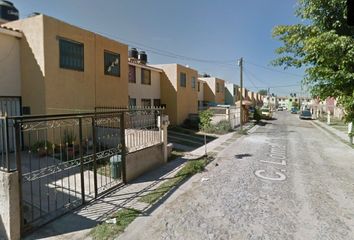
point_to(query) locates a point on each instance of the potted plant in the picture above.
(42, 148)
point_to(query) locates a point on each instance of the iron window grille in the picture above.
(157, 102)
(111, 64)
(193, 82)
(183, 79)
(145, 76)
(71, 55)
(146, 102)
(132, 102)
(132, 74)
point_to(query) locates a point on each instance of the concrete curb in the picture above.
(333, 132)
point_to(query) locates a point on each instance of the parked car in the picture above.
(280, 109)
(306, 114)
(266, 113)
(294, 110)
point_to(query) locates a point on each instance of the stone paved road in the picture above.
(286, 180)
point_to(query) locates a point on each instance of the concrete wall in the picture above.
(9, 206)
(142, 161)
(10, 66)
(142, 91)
(47, 88)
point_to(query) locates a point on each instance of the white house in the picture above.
(144, 85)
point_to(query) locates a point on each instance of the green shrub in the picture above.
(257, 116)
(221, 127)
(205, 120)
(40, 148)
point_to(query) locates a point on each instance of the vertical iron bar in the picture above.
(81, 162)
(19, 170)
(122, 139)
(94, 143)
(7, 147)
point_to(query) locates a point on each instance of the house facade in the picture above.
(214, 90)
(179, 93)
(10, 71)
(144, 86)
(232, 94)
(68, 69)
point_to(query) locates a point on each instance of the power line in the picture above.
(169, 53)
(254, 77)
(274, 70)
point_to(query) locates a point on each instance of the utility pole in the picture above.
(240, 64)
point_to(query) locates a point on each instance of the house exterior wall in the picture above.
(231, 93)
(10, 67)
(140, 91)
(210, 90)
(201, 90)
(48, 89)
(187, 97)
(179, 101)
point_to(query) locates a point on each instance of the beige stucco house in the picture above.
(179, 93)
(214, 90)
(68, 69)
(10, 71)
(144, 85)
(232, 94)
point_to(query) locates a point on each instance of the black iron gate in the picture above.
(67, 160)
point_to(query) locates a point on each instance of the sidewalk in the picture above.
(341, 135)
(77, 224)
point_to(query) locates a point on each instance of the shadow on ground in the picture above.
(95, 212)
(243, 155)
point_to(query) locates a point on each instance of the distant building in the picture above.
(179, 93)
(214, 90)
(270, 101)
(232, 94)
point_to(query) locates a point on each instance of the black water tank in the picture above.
(133, 53)
(8, 12)
(143, 57)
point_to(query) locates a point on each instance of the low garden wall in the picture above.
(144, 160)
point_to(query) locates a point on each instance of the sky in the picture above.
(207, 35)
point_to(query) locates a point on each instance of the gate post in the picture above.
(122, 141)
(81, 162)
(10, 197)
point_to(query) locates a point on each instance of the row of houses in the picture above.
(49, 67)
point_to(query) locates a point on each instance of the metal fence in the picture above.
(68, 159)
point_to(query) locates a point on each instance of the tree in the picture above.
(263, 92)
(323, 44)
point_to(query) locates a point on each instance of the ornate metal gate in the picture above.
(67, 160)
